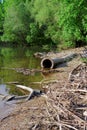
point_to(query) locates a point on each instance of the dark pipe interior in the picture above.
(47, 63)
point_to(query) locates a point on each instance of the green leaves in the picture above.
(39, 21)
(1, 20)
(71, 16)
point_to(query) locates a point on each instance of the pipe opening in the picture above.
(47, 63)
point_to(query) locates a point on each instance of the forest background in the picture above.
(47, 23)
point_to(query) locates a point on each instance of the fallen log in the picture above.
(25, 88)
(33, 92)
(53, 62)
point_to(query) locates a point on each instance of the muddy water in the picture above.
(16, 58)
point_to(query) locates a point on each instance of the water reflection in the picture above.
(17, 58)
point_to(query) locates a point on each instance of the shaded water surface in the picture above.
(11, 58)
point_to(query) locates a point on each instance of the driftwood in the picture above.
(33, 92)
(14, 97)
(66, 103)
(65, 106)
(26, 71)
(53, 62)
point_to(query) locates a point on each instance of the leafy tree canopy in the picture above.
(60, 22)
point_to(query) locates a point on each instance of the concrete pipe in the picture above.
(52, 63)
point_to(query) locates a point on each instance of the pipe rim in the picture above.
(42, 61)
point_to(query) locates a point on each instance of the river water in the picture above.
(11, 58)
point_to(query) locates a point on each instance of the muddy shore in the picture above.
(24, 114)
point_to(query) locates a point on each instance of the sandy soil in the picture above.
(27, 112)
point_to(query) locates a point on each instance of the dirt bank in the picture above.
(25, 114)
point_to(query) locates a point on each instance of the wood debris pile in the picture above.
(66, 105)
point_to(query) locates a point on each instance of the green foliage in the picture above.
(32, 35)
(73, 19)
(15, 20)
(48, 47)
(44, 13)
(84, 60)
(58, 22)
(66, 45)
(1, 19)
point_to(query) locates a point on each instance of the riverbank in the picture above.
(29, 114)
